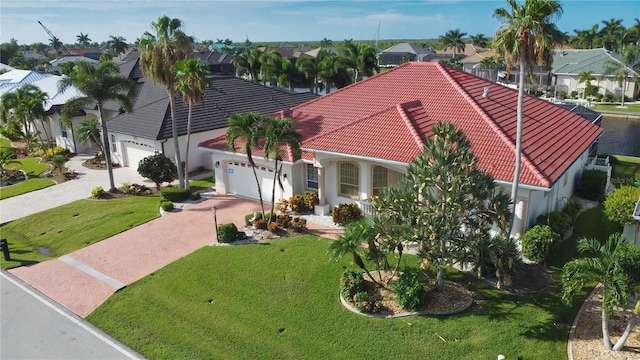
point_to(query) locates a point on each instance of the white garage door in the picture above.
(241, 180)
(135, 153)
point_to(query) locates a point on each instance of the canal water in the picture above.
(621, 136)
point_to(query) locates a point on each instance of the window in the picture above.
(63, 130)
(380, 179)
(114, 147)
(349, 180)
(566, 179)
(312, 177)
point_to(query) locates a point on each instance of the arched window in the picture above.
(349, 180)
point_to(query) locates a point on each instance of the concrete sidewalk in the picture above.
(69, 191)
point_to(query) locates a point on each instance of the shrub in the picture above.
(175, 194)
(537, 242)
(559, 222)
(311, 200)
(607, 98)
(68, 174)
(126, 187)
(574, 94)
(598, 97)
(195, 196)
(346, 213)
(284, 221)
(253, 216)
(272, 227)
(572, 208)
(506, 258)
(158, 168)
(166, 205)
(271, 217)
(97, 192)
(57, 150)
(296, 203)
(366, 303)
(58, 161)
(227, 232)
(409, 290)
(592, 184)
(619, 205)
(298, 224)
(260, 224)
(350, 283)
(282, 205)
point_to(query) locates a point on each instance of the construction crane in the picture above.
(51, 36)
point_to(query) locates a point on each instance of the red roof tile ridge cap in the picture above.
(493, 126)
(350, 123)
(409, 124)
(339, 91)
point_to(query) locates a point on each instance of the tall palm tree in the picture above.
(586, 39)
(326, 43)
(479, 40)
(622, 70)
(191, 81)
(281, 137)
(25, 104)
(607, 265)
(521, 40)
(311, 68)
(250, 129)
(272, 67)
(333, 71)
(158, 53)
(118, 44)
(361, 58)
(350, 242)
(585, 77)
(453, 40)
(98, 85)
(249, 61)
(83, 40)
(611, 33)
(56, 44)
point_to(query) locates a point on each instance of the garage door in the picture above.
(241, 180)
(135, 153)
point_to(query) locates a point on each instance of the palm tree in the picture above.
(586, 39)
(98, 85)
(622, 70)
(333, 70)
(118, 44)
(89, 130)
(361, 58)
(326, 43)
(453, 40)
(83, 40)
(272, 67)
(25, 104)
(250, 129)
(585, 77)
(56, 44)
(611, 33)
(479, 40)
(607, 265)
(280, 133)
(350, 242)
(158, 53)
(250, 61)
(521, 39)
(191, 81)
(311, 67)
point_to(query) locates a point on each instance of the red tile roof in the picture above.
(387, 116)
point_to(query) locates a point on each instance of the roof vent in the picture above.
(486, 92)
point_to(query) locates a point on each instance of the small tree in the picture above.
(619, 205)
(158, 168)
(537, 242)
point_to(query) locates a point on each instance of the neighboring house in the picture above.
(48, 83)
(568, 64)
(469, 49)
(631, 232)
(33, 56)
(147, 130)
(402, 53)
(360, 139)
(55, 64)
(313, 53)
(87, 52)
(217, 63)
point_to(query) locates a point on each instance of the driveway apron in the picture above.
(84, 279)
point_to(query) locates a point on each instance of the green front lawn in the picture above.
(202, 184)
(33, 168)
(624, 169)
(628, 107)
(279, 300)
(73, 226)
(5, 143)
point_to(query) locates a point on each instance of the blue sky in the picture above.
(270, 20)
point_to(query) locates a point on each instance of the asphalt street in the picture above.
(34, 327)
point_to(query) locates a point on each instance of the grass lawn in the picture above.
(33, 168)
(279, 300)
(202, 184)
(5, 143)
(624, 169)
(73, 226)
(615, 107)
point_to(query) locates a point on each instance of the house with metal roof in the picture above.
(569, 63)
(360, 139)
(402, 53)
(147, 130)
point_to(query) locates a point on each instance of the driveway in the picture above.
(69, 191)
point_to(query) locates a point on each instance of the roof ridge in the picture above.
(496, 129)
(412, 129)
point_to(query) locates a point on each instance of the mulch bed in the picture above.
(533, 278)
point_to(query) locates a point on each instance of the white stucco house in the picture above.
(361, 138)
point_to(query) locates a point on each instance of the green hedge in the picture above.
(227, 233)
(175, 194)
(593, 184)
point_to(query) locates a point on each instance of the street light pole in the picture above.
(215, 220)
